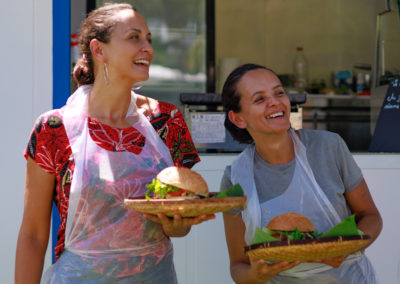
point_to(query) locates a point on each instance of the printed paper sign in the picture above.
(208, 127)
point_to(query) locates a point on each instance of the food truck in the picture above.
(352, 61)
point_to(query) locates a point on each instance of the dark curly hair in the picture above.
(99, 25)
(231, 100)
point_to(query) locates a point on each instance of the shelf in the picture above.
(337, 97)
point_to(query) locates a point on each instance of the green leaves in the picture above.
(235, 190)
(347, 227)
(263, 235)
(266, 235)
(295, 235)
(315, 234)
(159, 189)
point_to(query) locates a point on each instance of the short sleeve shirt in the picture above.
(331, 162)
(49, 147)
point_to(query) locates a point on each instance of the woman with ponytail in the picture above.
(103, 146)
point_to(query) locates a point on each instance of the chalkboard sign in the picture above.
(387, 131)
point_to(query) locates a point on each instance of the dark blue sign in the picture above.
(387, 131)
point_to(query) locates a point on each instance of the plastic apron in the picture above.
(304, 196)
(104, 241)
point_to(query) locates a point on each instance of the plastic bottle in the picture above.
(300, 70)
(360, 83)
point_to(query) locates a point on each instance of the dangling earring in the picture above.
(105, 73)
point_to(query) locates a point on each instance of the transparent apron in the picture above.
(304, 196)
(104, 241)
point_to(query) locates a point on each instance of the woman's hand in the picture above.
(261, 271)
(245, 269)
(177, 226)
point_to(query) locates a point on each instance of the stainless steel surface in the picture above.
(347, 115)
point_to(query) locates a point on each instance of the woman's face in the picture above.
(129, 52)
(265, 107)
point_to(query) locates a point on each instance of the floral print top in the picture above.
(49, 147)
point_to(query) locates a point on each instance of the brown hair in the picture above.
(99, 25)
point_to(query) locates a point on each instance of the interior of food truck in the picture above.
(348, 48)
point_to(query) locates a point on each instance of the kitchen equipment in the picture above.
(205, 118)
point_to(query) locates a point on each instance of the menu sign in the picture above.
(207, 127)
(387, 131)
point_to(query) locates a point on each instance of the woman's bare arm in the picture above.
(34, 231)
(362, 205)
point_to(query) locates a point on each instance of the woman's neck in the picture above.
(276, 148)
(109, 104)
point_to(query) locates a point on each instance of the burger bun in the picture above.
(184, 178)
(289, 221)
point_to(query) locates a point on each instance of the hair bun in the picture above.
(81, 73)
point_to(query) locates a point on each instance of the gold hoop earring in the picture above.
(105, 73)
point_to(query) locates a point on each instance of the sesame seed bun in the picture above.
(289, 221)
(184, 178)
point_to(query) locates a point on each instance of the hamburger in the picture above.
(177, 183)
(292, 236)
(287, 226)
(292, 226)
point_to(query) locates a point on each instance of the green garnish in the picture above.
(347, 227)
(263, 235)
(234, 190)
(315, 234)
(295, 234)
(159, 189)
(266, 235)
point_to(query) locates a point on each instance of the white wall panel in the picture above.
(202, 256)
(25, 89)
(382, 173)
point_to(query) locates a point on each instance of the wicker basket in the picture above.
(186, 207)
(308, 249)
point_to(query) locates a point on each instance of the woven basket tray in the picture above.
(307, 249)
(186, 207)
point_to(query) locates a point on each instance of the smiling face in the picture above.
(129, 53)
(265, 107)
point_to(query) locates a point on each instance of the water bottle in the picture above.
(300, 70)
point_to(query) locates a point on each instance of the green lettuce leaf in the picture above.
(263, 235)
(295, 234)
(234, 190)
(347, 227)
(266, 235)
(315, 234)
(159, 189)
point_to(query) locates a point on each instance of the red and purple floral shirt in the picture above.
(49, 147)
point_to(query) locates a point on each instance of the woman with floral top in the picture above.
(103, 146)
